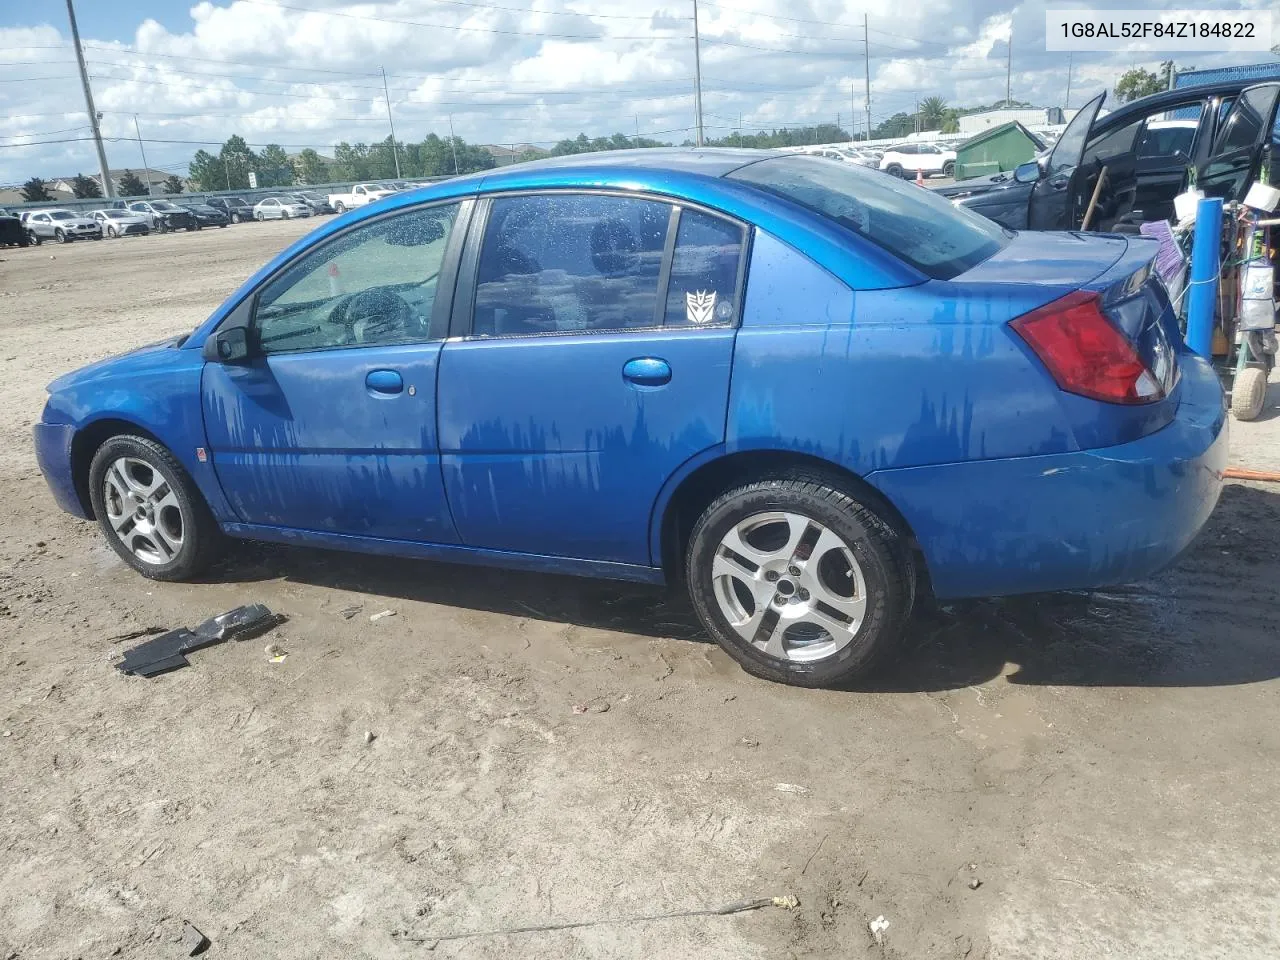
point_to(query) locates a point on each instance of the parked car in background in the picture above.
(62, 226)
(12, 232)
(1146, 145)
(237, 209)
(906, 159)
(317, 203)
(206, 215)
(360, 194)
(122, 223)
(280, 208)
(554, 368)
(164, 215)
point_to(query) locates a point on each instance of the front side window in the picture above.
(570, 263)
(918, 227)
(375, 285)
(704, 271)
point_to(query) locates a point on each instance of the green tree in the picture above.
(36, 191)
(237, 161)
(274, 167)
(1136, 83)
(173, 184)
(85, 188)
(130, 186)
(207, 172)
(350, 163)
(310, 167)
(933, 113)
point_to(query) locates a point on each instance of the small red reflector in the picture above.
(1085, 353)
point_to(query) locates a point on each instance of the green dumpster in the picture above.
(997, 150)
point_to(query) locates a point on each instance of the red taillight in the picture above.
(1085, 353)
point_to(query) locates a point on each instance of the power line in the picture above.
(449, 26)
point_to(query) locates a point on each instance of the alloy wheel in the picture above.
(789, 586)
(143, 510)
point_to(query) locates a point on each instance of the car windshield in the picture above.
(915, 225)
(61, 215)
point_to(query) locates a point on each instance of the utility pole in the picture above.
(453, 145)
(1008, 73)
(108, 188)
(697, 75)
(146, 170)
(853, 117)
(1067, 106)
(391, 123)
(866, 60)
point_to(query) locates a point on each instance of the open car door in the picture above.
(1050, 206)
(1248, 137)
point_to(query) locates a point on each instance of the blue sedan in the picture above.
(804, 389)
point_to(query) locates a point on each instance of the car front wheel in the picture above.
(59, 235)
(949, 169)
(150, 510)
(34, 237)
(799, 582)
(894, 170)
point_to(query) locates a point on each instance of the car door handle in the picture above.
(647, 371)
(387, 382)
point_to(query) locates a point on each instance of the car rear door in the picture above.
(331, 425)
(1244, 139)
(592, 362)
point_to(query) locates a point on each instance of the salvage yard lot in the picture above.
(1057, 777)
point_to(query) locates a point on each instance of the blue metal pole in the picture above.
(1206, 243)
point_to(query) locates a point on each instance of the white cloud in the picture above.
(312, 78)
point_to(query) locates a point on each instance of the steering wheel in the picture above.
(377, 315)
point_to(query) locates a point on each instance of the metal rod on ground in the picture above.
(108, 188)
(697, 75)
(453, 145)
(1093, 200)
(866, 65)
(1206, 247)
(391, 123)
(1240, 473)
(145, 169)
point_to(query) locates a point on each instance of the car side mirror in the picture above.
(1028, 172)
(229, 346)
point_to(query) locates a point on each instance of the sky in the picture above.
(307, 72)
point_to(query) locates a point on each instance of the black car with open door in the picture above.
(1248, 148)
(1146, 147)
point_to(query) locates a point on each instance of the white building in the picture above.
(975, 123)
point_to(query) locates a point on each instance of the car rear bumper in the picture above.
(1075, 520)
(53, 454)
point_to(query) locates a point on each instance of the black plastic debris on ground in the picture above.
(168, 651)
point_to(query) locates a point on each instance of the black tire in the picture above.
(894, 170)
(284, 214)
(34, 237)
(200, 534)
(24, 240)
(339, 208)
(879, 550)
(221, 225)
(59, 235)
(949, 169)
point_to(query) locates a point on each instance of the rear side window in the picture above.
(1246, 120)
(570, 263)
(704, 271)
(920, 228)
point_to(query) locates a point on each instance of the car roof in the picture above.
(1170, 98)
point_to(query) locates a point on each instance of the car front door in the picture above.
(1050, 204)
(593, 362)
(331, 424)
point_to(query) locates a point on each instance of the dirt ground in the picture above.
(1051, 777)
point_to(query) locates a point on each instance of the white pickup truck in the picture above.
(360, 194)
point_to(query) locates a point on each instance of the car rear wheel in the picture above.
(1249, 393)
(150, 510)
(894, 170)
(799, 582)
(339, 208)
